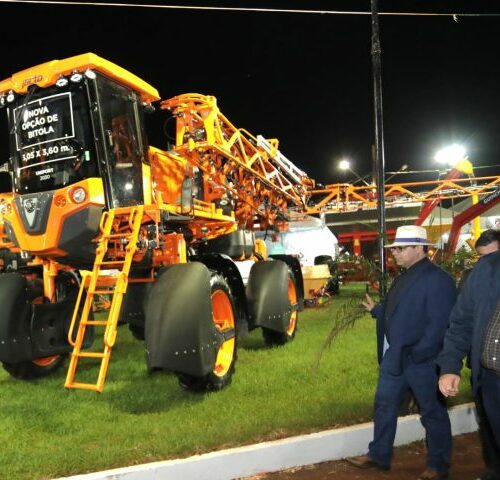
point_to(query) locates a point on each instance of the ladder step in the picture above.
(90, 354)
(84, 386)
(108, 277)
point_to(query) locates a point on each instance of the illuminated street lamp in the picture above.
(455, 157)
(451, 155)
(345, 165)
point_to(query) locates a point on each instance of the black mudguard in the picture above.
(50, 324)
(132, 311)
(224, 265)
(267, 296)
(294, 265)
(29, 331)
(180, 333)
(15, 319)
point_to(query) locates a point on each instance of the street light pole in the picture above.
(379, 143)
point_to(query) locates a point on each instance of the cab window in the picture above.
(123, 143)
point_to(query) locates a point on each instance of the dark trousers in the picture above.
(488, 412)
(423, 381)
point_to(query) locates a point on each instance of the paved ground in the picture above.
(408, 464)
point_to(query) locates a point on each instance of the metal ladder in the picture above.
(122, 225)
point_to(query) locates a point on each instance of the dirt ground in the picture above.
(408, 464)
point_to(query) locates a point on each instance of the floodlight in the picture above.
(344, 165)
(450, 155)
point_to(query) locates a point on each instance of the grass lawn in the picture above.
(47, 431)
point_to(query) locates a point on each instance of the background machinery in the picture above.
(90, 209)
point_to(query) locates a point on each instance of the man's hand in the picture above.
(369, 304)
(448, 384)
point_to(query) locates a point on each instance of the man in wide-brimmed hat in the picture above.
(411, 324)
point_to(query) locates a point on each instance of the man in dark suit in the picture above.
(488, 242)
(411, 324)
(475, 331)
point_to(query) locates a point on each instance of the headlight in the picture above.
(62, 81)
(78, 195)
(76, 77)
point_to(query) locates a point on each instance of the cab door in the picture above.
(123, 142)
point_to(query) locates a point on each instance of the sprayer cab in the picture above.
(77, 146)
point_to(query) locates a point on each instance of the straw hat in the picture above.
(409, 235)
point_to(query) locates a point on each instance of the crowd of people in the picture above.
(426, 327)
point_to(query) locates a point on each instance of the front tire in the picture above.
(67, 285)
(223, 316)
(36, 368)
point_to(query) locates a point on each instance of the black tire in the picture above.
(332, 287)
(223, 311)
(37, 368)
(272, 337)
(137, 332)
(67, 286)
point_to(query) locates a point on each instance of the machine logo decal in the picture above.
(30, 208)
(31, 80)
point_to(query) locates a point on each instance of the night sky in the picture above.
(305, 79)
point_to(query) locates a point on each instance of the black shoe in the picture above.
(364, 461)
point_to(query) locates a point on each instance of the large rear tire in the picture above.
(37, 368)
(272, 337)
(137, 332)
(223, 316)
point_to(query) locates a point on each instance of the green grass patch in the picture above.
(49, 432)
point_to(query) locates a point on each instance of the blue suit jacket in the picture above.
(470, 316)
(419, 319)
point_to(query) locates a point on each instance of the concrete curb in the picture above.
(280, 454)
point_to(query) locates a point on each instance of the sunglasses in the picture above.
(399, 249)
